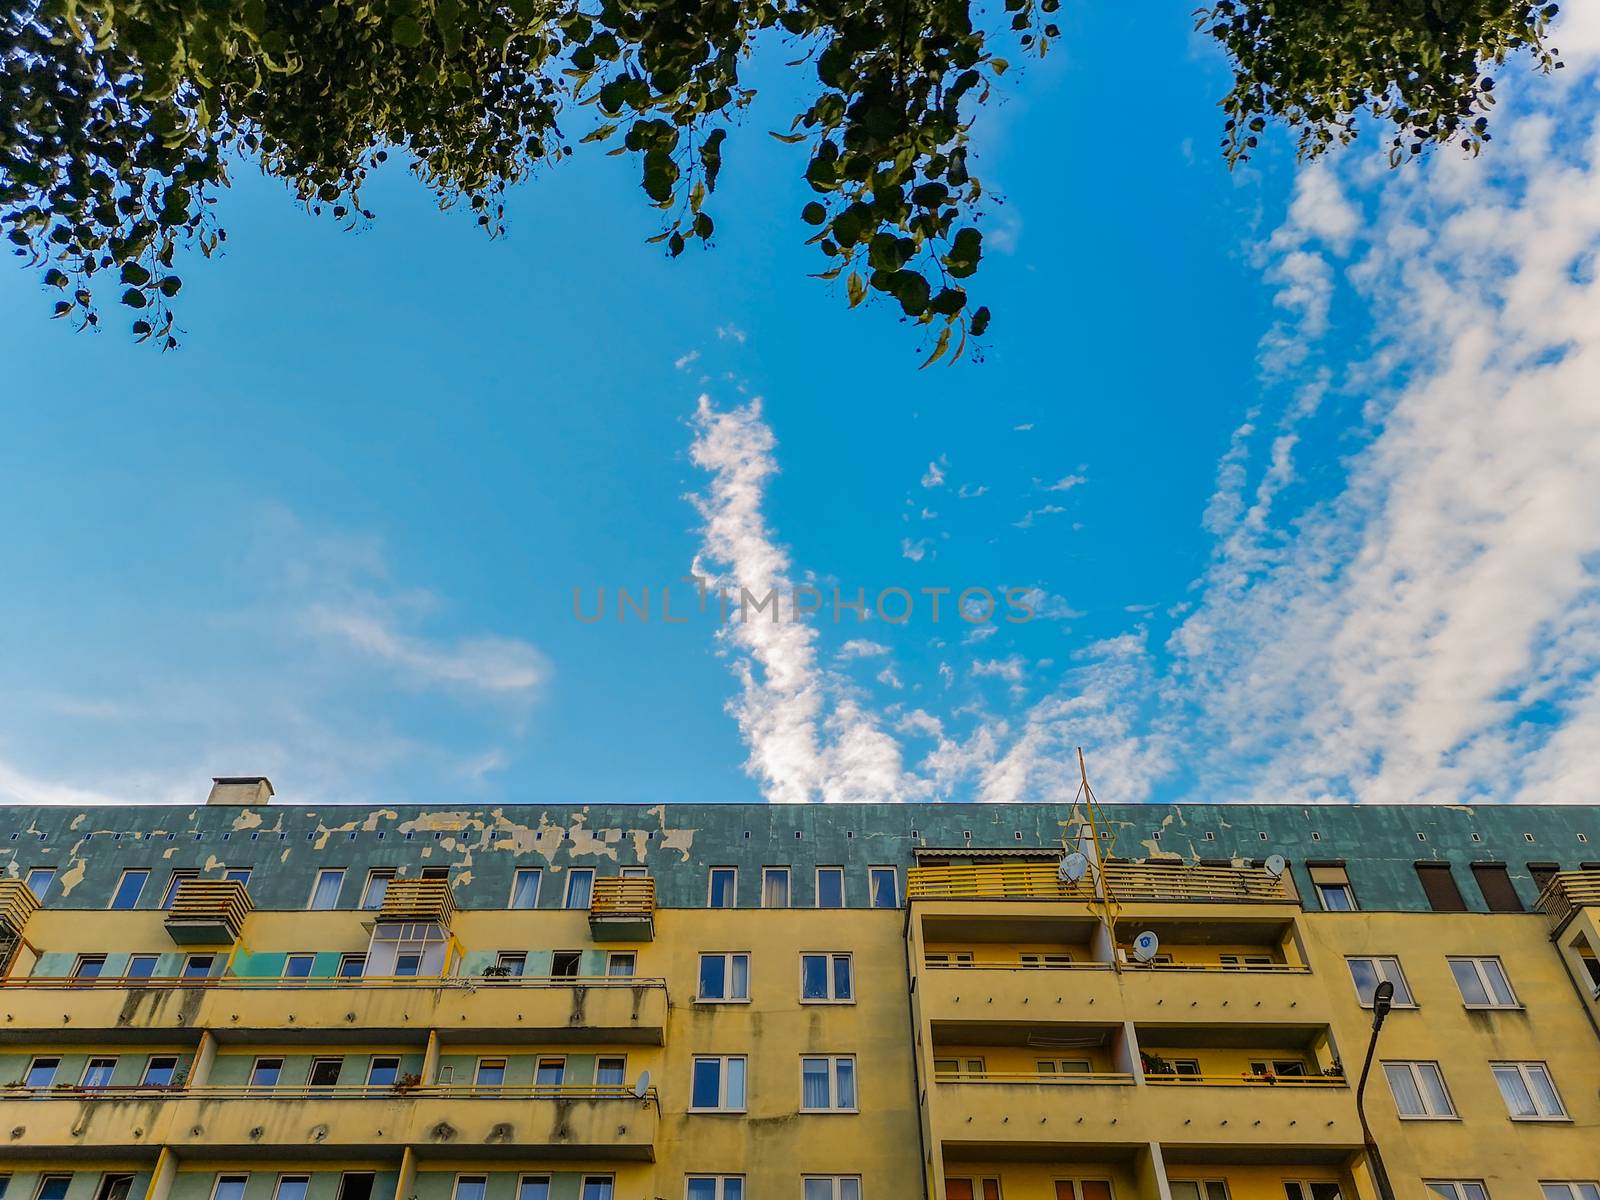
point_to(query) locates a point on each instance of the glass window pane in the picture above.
(596, 1188)
(1556, 1191)
(1515, 1092)
(850, 1189)
(846, 1074)
(1365, 976)
(1433, 1089)
(610, 1072)
(775, 889)
(1467, 980)
(735, 1090)
(841, 977)
(1407, 1099)
(579, 885)
(293, 1187)
(525, 889)
(883, 889)
(733, 1189)
(814, 1083)
(813, 977)
(1544, 1091)
(740, 981)
(1447, 1190)
(819, 1189)
(1499, 985)
(534, 1189)
(1475, 1191)
(722, 888)
(712, 968)
(830, 888)
(471, 1188)
(702, 1189)
(1389, 968)
(707, 1083)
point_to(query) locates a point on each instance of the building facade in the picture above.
(240, 1000)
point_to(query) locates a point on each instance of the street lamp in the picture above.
(1382, 1002)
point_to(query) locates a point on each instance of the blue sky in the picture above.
(1276, 555)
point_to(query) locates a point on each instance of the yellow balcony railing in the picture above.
(1065, 1078)
(1311, 1081)
(209, 911)
(1566, 893)
(17, 904)
(1123, 882)
(419, 900)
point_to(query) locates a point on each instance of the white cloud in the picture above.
(915, 551)
(732, 332)
(1065, 484)
(889, 678)
(967, 492)
(684, 361)
(480, 664)
(934, 476)
(1028, 518)
(1010, 668)
(1023, 428)
(862, 648)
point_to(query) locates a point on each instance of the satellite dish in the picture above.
(1275, 865)
(642, 1088)
(1145, 946)
(1072, 867)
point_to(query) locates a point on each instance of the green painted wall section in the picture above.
(233, 1070)
(263, 1184)
(503, 1185)
(285, 846)
(23, 1185)
(128, 1072)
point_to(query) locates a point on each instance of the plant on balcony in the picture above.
(497, 971)
(1154, 1064)
(1334, 1070)
(1263, 1076)
(406, 1083)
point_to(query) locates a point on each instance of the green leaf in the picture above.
(407, 32)
(857, 288)
(939, 348)
(170, 286)
(133, 273)
(813, 213)
(133, 298)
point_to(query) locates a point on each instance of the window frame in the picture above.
(538, 882)
(830, 970)
(835, 1190)
(833, 1061)
(494, 1062)
(613, 957)
(455, 1183)
(33, 1064)
(349, 957)
(1525, 1069)
(817, 884)
(277, 1184)
(374, 874)
(1572, 1189)
(150, 1065)
(47, 1176)
(89, 1065)
(86, 960)
(872, 886)
(733, 886)
(719, 1185)
(256, 1066)
(722, 1061)
(727, 957)
(788, 886)
(610, 1182)
(40, 894)
(372, 1066)
(309, 957)
(1342, 889)
(316, 889)
(153, 959)
(574, 873)
(223, 1176)
(190, 959)
(523, 1180)
(116, 893)
(1415, 1065)
(1399, 979)
(1458, 1187)
(1477, 961)
(175, 880)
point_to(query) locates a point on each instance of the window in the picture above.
(597, 1187)
(633, 873)
(113, 1187)
(229, 1187)
(351, 966)
(1529, 1092)
(1336, 897)
(619, 964)
(534, 1187)
(830, 887)
(1294, 1189)
(722, 887)
(292, 1187)
(826, 977)
(610, 1072)
(525, 887)
(1283, 1068)
(564, 964)
(972, 1189)
(718, 1085)
(830, 1187)
(828, 1084)
(884, 885)
(1198, 1189)
(198, 966)
(298, 966)
(1494, 881)
(175, 881)
(97, 1073)
(142, 966)
(377, 887)
(1063, 1066)
(1483, 983)
(714, 1187)
(580, 883)
(1369, 972)
(1100, 1189)
(491, 1073)
(1419, 1091)
(1573, 1190)
(1246, 962)
(39, 880)
(407, 964)
(89, 966)
(1439, 885)
(1458, 1189)
(129, 888)
(949, 958)
(356, 1185)
(383, 1072)
(41, 1072)
(160, 1072)
(551, 1072)
(325, 893)
(435, 873)
(239, 875)
(1046, 960)
(1542, 874)
(324, 1072)
(511, 964)
(774, 887)
(724, 977)
(956, 1066)
(53, 1187)
(471, 1187)
(266, 1072)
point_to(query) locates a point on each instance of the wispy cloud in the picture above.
(934, 476)
(1065, 484)
(477, 664)
(862, 648)
(916, 551)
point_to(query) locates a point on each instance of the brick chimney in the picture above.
(240, 789)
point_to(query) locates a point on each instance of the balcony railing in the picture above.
(1566, 893)
(409, 900)
(622, 908)
(1123, 882)
(208, 912)
(319, 982)
(17, 904)
(1065, 1078)
(1012, 965)
(390, 1093)
(1248, 1080)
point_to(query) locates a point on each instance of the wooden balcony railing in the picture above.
(208, 911)
(623, 909)
(419, 900)
(17, 904)
(1566, 893)
(1123, 882)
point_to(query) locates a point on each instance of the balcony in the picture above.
(623, 909)
(418, 901)
(208, 912)
(267, 1009)
(1566, 893)
(1124, 883)
(544, 1122)
(17, 904)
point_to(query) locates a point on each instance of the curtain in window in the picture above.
(845, 1072)
(813, 977)
(525, 889)
(579, 885)
(841, 977)
(775, 889)
(814, 1083)
(739, 978)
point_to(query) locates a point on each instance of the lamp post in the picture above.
(1382, 1002)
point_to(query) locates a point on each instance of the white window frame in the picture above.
(88, 1065)
(817, 882)
(524, 1180)
(316, 888)
(566, 891)
(1382, 971)
(289, 958)
(190, 959)
(836, 1186)
(1526, 1069)
(872, 886)
(831, 974)
(727, 976)
(833, 1061)
(144, 882)
(1344, 888)
(1476, 962)
(494, 1060)
(277, 1186)
(388, 875)
(239, 875)
(455, 1184)
(150, 1065)
(788, 886)
(538, 882)
(613, 957)
(609, 1180)
(711, 887)
(50, 880)
(35, 1061)
(178, 877)
(1415, 1066)
(155, 962)
(372, 1066)
(1202, 1187)
(723, 1062)
(223, 1176)
(47, 1177)
(352, 956)
(719, 1184)
(83, 960)
(255, 1066)
(1459, 1188)
(1570, 1189)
